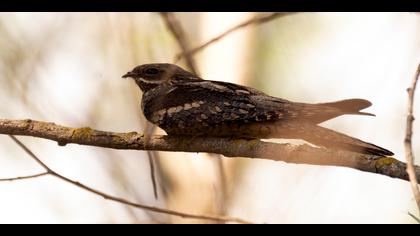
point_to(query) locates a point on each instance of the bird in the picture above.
(182, 103)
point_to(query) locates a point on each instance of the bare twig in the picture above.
(414, 217)
(24, 177)
(221, 191)
(256, 20)
(301, 154)
(175, 27)
(150, 157)
(121, 200)
(407, 141)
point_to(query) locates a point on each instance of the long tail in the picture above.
(321, 136)
(321, 112)
(351, 106)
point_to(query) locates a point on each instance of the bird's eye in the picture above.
(151, 71)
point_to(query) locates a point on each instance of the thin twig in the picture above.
(24, 177)
(414, 217)
(221, 191)
(150, 157)
(255, 20)
(175, 27)
(149, 129)
(407, 141)
(298, 154)
(121, 200)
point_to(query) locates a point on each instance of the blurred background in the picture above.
(66, 68)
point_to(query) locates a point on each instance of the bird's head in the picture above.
(149, 76)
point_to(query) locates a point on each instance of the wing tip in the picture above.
(365, 113)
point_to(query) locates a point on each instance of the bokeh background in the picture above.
(66, 68)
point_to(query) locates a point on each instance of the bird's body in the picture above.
(183, 104)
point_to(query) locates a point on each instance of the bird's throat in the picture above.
(146, 86)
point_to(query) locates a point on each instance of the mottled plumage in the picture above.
(183, 104)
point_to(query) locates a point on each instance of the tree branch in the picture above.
(24, 177)
(175, 27)
(255, 20)
(51, 172)
(301, 154)
(407, 141)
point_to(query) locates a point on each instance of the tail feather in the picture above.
(351, 106)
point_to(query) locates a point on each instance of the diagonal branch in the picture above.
(302, 154)
(49, 171)
(407, 141)
(175, 27)
(256, 20)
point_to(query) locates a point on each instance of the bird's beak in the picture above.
(128, 75)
